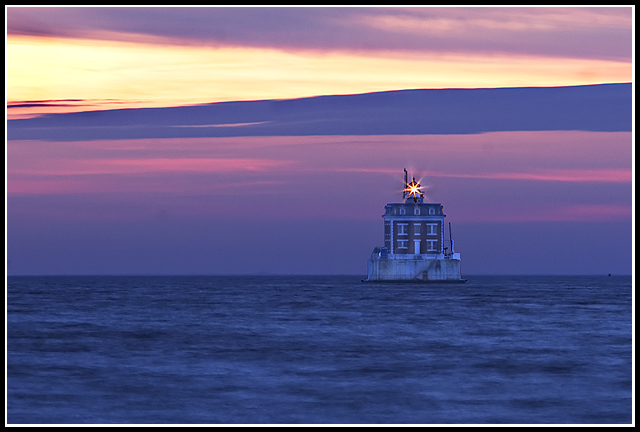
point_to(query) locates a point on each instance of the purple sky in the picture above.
(574, 32)
(535, 181)
(520, 202)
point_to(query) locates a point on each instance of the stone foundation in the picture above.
(432, 269)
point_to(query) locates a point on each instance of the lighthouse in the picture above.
(414, 244)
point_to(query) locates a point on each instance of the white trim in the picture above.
(424, 256)
(410, 218)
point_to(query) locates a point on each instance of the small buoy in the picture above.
(609, 274)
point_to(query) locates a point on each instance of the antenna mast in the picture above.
(406, 184)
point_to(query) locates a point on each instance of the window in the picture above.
(387, 235)
(402, 229)
(416, 229)
(402, 244)
(403, 211)
(416, 211)
(431, 245)
(432, 211)
(432, 228)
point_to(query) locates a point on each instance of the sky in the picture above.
(247, 140)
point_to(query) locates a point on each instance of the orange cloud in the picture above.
(160, 75)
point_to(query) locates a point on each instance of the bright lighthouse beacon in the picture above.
(414, 245)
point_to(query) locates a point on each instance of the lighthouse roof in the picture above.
(410, 208)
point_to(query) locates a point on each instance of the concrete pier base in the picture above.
(417, 268)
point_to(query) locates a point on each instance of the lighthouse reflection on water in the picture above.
(414, 245)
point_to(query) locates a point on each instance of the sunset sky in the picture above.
(229, 187)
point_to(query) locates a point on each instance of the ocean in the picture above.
(318, 350)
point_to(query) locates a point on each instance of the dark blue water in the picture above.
(318, 350)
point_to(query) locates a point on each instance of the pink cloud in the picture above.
(561, 175)
(502, 176)
(593, 212)
(132, 175)
(152, 165)
(128, 186)
(568, 213)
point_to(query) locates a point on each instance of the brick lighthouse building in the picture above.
(414, 245)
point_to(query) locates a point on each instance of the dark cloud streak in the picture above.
(604, 107)
(33, 105)
(61, 103)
